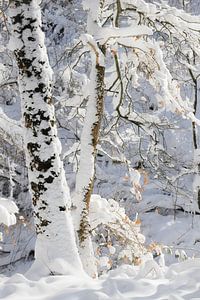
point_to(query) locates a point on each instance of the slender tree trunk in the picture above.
(50, 193)
(86, 172)
(196, 184)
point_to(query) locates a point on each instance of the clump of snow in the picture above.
(8, 209)
(126, 243)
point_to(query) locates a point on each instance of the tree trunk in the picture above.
(196, 183)
(86, 172)
(50, 193)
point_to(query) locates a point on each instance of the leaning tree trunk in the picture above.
(50, 193)
(86, 172)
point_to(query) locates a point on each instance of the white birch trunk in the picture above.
(50, 193)
(196, 149)
(86, 172)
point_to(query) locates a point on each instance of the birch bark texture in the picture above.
(50, 192)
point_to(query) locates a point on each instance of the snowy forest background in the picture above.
(146, 197)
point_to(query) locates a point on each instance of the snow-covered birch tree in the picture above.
(89, 141)
(50, 193)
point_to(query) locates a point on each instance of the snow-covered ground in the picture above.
(179, 281)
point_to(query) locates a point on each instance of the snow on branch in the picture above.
(107, 33)
(87, 39)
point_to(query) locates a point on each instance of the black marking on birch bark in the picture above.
(37, 72)
(46, 131)
(45, 222)
(53, 123)
(37, 190)
(41, 88)
(20, 2)
(37, 214)
(20, 53)
(33, 147)
(43, 206)
(30, 38)
(49, 179)
(54, 174)
(44, 202)
(27, 62)
(28, 121)
(38, 187)
(30, 108)
(62, 208)
(41, 62)
(17, 19)
(34, 120)
(49, 141)
(27, 92)
(42, 223)
(41, 165)
(29, 25)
